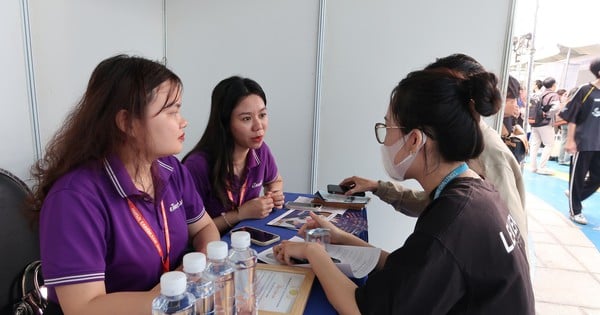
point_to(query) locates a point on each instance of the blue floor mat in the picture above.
(551, 189)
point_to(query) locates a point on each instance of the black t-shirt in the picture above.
(465, 256)
(586, 114)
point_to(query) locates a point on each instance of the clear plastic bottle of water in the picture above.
(197, 284)
(220, 272)
(244, 259)
(173, 298)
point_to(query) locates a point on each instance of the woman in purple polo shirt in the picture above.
(231, 163)
(117, 209)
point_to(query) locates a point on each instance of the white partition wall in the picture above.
(70, 37)
(15, 128)
(270, 41)
(368, 46)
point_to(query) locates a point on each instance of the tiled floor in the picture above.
(566, 277)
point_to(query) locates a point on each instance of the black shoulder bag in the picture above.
(32, 302)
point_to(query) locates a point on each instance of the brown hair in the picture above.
(90, 132)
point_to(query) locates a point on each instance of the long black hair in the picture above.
(217, 141)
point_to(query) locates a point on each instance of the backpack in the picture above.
(538, 110)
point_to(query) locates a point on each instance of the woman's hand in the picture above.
(337, 236)
(286, 250)
(274, 190)
(359, 184)
(256, 208)
(278, 198)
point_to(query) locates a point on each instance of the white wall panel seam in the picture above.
(164, 34)
(318, 86)
(504, 70)
(31, 87)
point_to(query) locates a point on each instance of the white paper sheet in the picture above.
(355, 261)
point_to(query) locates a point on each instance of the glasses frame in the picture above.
(385, 127)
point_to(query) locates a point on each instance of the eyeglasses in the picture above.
(381, 131)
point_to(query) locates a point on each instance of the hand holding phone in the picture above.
(342, 189)
(258, 236)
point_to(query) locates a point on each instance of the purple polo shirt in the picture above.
(87, 231)
(261, 170)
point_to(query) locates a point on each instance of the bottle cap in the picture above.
(240, 239)
(173, 283)
(216, 250)
(194, 262)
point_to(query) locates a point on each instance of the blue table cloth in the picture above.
(354, 221)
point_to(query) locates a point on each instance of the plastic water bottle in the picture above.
(197, 284)
(244, 259)
(173, 298)
(220, 272)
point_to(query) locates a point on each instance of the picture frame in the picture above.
(277, 279)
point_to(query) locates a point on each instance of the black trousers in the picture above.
(584, 178)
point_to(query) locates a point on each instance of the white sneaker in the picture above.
(579, 218)
(545, 171)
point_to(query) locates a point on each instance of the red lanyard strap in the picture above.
(141, 221)
(242, 194)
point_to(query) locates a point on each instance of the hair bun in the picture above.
(483, 90)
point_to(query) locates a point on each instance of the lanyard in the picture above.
(242, 194)
(455, 172)
(139, 218)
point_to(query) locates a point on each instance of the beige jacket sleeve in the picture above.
(408, 201)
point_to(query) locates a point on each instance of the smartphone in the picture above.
(342, 189)
(302, 205)
(298, 261)
(258, 236)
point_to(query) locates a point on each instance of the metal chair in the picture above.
(19, 241)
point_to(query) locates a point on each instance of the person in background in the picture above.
(564, 157)
(496, 164)
(465, 231)
(521, 101)
(512, 133)
(582, 113)
(556, 122)
(231, 163)
(543, 132)
(511, 106)
(537, 87)
(117, 208)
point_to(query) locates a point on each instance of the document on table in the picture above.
(355, 261)
(295, 219)
(323, 208)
